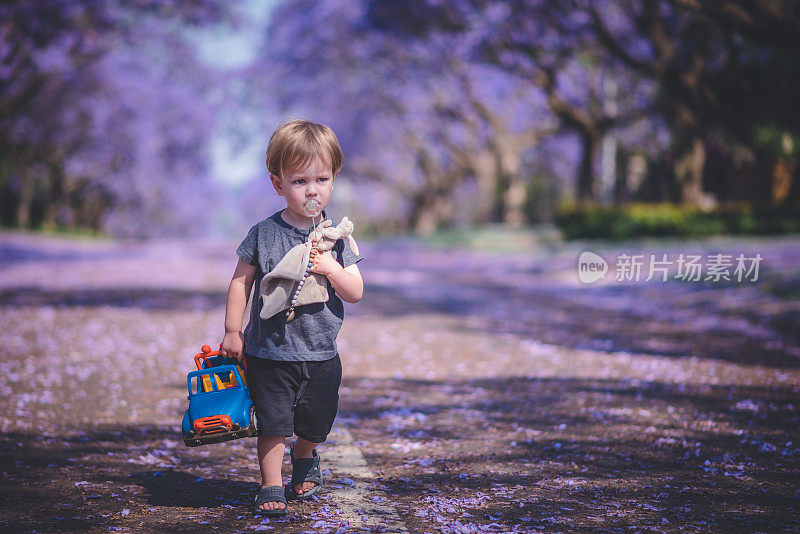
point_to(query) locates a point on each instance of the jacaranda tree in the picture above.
(103, 114)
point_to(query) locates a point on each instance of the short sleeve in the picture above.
(346, 256)
(248, 248)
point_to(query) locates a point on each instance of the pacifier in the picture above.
(312, 208)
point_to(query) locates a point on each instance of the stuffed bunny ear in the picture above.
(347, 226)
(352, 242)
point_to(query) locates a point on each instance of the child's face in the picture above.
(299, 186)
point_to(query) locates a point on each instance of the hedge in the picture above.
(639, 220)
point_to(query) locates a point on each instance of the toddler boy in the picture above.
(293, 368)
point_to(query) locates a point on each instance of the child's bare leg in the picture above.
(270, 460)
(302, 449)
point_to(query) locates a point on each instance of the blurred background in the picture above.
(150, 118)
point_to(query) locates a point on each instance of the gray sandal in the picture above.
(270, 494)
(304, 470)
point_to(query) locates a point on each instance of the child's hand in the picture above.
(233, 345)
(325, 264)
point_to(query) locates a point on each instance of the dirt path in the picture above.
(484, 393)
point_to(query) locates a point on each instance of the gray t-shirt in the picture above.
(311, 336)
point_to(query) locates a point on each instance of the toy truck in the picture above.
(220, 408)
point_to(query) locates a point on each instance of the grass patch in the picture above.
(79, 234)
(496, 238)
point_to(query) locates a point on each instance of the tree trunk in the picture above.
(23, 215)
(57, 199)
(608, 166)
(424, 216)
(486, 174)
(793, 196)
(514, 202)
(689, 172)
(513, 195)
(590, 144)
(783, 172)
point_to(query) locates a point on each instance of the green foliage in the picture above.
(66, 232)
(777, 142)
(656, 220)
(495, 238)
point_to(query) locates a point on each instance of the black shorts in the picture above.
(295, 397)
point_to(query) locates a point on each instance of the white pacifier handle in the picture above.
(312, 208)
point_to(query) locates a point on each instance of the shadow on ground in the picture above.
(637, 319)
(583, 454)
(544, 453)
(596, 319)
(144, 298)
(100, 479)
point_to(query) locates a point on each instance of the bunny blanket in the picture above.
(277, 285)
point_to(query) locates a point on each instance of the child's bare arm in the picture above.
(238, 293)
(346, 281)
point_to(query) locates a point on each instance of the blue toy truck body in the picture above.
(220, 408)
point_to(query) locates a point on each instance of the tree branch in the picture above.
(618, 50)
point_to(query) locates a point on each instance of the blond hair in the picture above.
(295, 143)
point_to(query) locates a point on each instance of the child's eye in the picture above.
(299, 181)
(323, 179)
